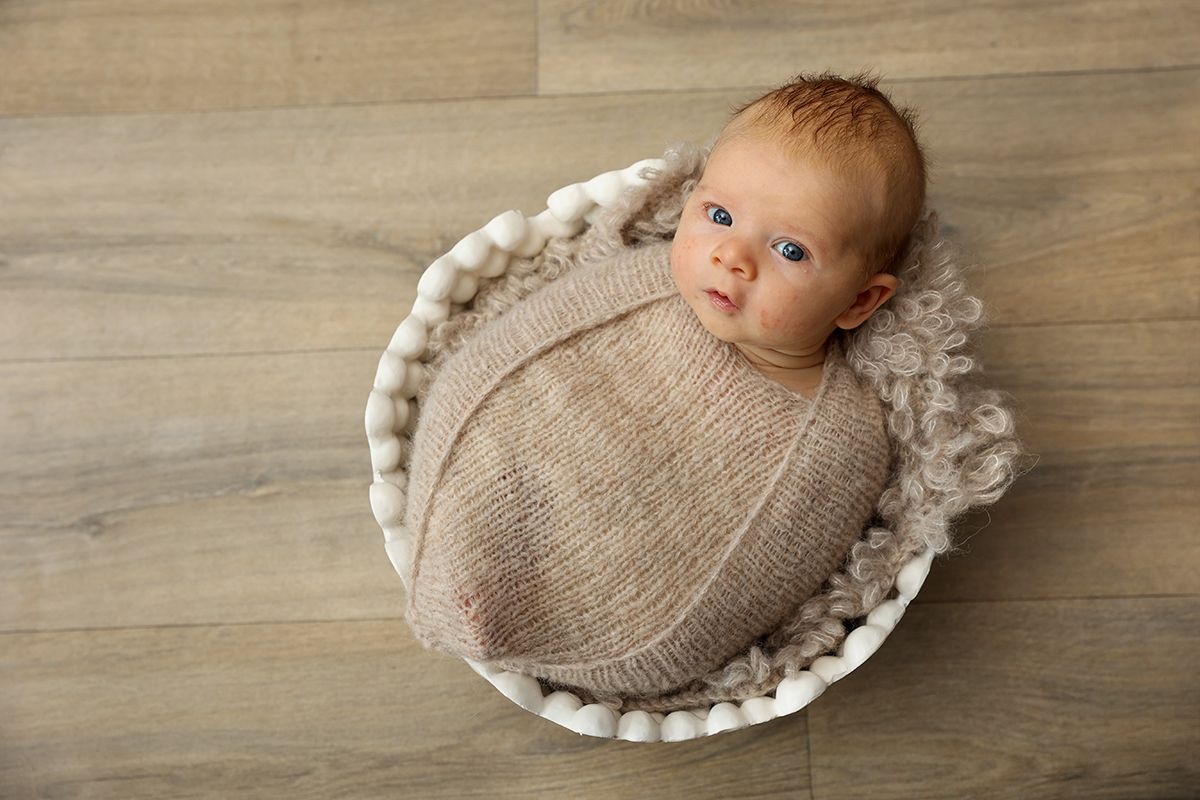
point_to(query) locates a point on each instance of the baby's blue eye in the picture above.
(719, 215)
(791, 251)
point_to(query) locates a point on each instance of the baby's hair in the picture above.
(844, 119)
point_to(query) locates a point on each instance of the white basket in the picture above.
(392, 410)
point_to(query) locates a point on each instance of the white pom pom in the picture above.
(560, 707)
(387, 503)
(912, 576)
(638, 726)
(431, 312)
(534, 241)
(681, 725)
(438, 279)
(391, 372)
(594, 720)
(402, 410)
(759, 709)
(396, 477)
(414, 373)
(471, 250)
(793, 694)
(828, 668)
(380, 417)
(550, 226)
(521, 689)
(410, 338)
(385, 453)
(862, 642)
(724, 717)
(495, 264)
(466, 287)
(569, 203)
(886, 615)
(507, 230)
(605, 188)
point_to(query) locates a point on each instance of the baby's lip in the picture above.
(727, 297)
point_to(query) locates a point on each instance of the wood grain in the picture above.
(184, 491)
(1039, 699)
(619, 45)
(213, 216)
(348, 709)
(127, 56)
(1111, 412)
(1078, 197)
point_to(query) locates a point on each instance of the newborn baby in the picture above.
(650, 462)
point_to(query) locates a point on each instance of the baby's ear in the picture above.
(879, 288)
(887, 284)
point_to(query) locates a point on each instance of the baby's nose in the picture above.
(732, 254)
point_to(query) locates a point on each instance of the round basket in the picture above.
(452, 280)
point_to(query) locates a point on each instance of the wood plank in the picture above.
(308, 228)
(1079, 197)
(123, 56)
(1067, 698)
(345, 709)
(180, 491)
(280, 230)
(1113, 413)
(234, 489)
(613, 45)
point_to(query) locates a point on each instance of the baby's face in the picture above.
(781, 238)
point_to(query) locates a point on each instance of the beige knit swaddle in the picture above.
(606, 496)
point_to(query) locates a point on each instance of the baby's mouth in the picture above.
(720, 300)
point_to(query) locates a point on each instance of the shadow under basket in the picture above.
(444, 289)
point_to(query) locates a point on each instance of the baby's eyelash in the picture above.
(706, 207)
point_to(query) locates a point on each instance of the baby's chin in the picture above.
(705, 320)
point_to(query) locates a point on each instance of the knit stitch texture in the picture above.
(606, 495)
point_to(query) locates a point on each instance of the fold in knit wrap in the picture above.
(605, 495)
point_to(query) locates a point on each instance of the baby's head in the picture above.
(805, 207)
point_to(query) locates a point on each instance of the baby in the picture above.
(804, 207)
(604, 489)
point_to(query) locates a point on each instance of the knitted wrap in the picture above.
(606, 495)
(953, 441)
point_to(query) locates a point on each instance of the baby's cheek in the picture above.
(776, 319)
(783, 323)
(679, 261)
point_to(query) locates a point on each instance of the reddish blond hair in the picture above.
(854, 128)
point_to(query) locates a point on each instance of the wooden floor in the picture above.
(213, 215)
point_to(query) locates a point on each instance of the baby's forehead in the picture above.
(855, 164)
(857, 178)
